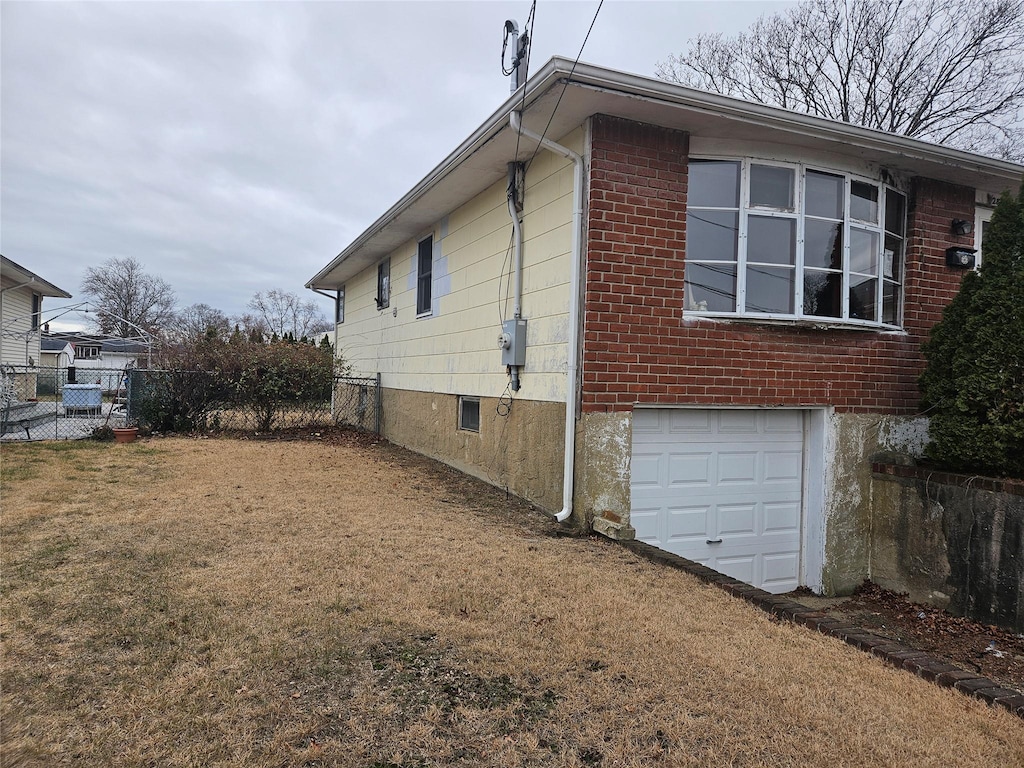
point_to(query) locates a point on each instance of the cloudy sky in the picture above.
(235, 147)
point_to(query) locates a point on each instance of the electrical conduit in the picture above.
(574, 307)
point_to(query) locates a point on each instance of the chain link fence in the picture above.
(40, 403)
(48, 403)
(356, 402)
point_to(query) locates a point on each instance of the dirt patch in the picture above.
(995, 653)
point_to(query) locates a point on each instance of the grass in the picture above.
(243, 603)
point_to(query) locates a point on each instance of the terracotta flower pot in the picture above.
(125, 434)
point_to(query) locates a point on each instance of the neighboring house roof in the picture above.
(30, 279)
(565, 95)
(55, 342)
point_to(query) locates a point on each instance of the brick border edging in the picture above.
(922, 664)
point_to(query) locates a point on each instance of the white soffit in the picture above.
(482, 159)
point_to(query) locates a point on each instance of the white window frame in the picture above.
(383, 295)
(430, 285)
(982, 216)
(849, 224)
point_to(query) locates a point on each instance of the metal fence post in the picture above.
(376, 426)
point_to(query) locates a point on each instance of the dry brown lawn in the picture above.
(236, 603)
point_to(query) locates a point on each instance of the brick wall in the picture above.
(638, 346)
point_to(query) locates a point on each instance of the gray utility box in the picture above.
(513, 342)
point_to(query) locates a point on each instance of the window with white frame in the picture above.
(87, 351)
(424, 275)
(774, 240)
(383, 297)
(982, 221)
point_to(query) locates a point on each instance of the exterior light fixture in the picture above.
(962, 227)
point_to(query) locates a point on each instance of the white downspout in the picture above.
(517, 271)
(574, 308)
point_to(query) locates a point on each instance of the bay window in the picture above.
(783, 241)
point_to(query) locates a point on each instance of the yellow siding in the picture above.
(16, 311)
(455, 350)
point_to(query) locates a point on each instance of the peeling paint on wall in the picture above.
(604, 450)
(906, 435)
(850, 442)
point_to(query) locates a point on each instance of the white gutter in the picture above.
(574, 309)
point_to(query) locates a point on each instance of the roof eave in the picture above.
(534, 87)
(587, 76)
(30, 278)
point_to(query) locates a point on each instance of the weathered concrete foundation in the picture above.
(851, 442)
(950, 540)
(521, 452)
(603, 452)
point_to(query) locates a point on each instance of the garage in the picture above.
(722, 487)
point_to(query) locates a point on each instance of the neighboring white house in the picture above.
(96, 359)
(21, 305)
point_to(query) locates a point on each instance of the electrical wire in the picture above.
(566, 83)
(502, 310)
(504, 406)
(528, 31)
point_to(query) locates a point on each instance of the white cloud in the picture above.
(237, 147)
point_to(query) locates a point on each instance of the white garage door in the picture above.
(723, 488)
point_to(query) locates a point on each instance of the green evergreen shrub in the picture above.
(973, 384)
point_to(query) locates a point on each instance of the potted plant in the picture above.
(126, 434)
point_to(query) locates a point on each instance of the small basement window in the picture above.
(469, 414)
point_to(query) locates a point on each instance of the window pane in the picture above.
(770, 289)
(892, 258)
(383, 283)
(714, 183)
(469, 414)
(895, 212)
(890, 303)
(771, 187)
(710, 287)
(824, 193)
(863, 298)
(711, 235)
(823, 293)
(863, 251)
(423, 294)
(772, 241)
(864, 201)
(823, 244)
(424, 269)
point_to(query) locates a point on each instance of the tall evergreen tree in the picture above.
(974, 381)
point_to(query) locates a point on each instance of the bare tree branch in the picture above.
(282, 312)
(201, 320)
(127, 298)
(947, 71)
